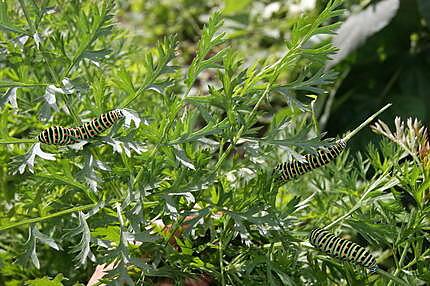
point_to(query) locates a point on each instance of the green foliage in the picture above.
(187, 189)
(46, 281)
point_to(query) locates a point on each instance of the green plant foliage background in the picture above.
(222, 97)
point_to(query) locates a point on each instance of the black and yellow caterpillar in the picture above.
(59, 135)
(288, 170)
(342, 248)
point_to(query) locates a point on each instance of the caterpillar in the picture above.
(342, 248)
(287, 171)
(59, 135)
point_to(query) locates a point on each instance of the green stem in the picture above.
(147, 81)
(68, 103)
(17, 141)
(391, 277)
(39, 219)
(413, 262)
(366, 122)
(330, 100)
(358, 204)
(242, 129)
(390, 83)
(84, 46)
(27, 17)
(229, 148)
(4, 84)
(138, 92)
(400, 263)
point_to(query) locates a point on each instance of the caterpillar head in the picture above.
(373, 269)
(119, 112)
(341, 143)
(277, 172)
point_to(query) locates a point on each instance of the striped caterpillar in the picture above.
(287, 171)
(59, 135)
(342, 248)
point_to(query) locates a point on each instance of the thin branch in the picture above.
(392, 277)
(17, 141)
(359, 203)
(39, 219)
(366, 122)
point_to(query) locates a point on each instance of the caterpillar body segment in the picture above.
(288, 170)
(59, 135)
(342, 248)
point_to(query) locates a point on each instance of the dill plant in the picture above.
(187, 190)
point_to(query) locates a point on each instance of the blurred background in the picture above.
(383, 47)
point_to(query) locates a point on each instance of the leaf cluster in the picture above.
(188, 192)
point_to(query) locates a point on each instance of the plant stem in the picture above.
(402, 259)
(413, 262)
(17, 141)
(360, 201)
(329, 102)
(39, 219)
(391, 277)
(4, 84)
(366, 122)
(68, 102)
